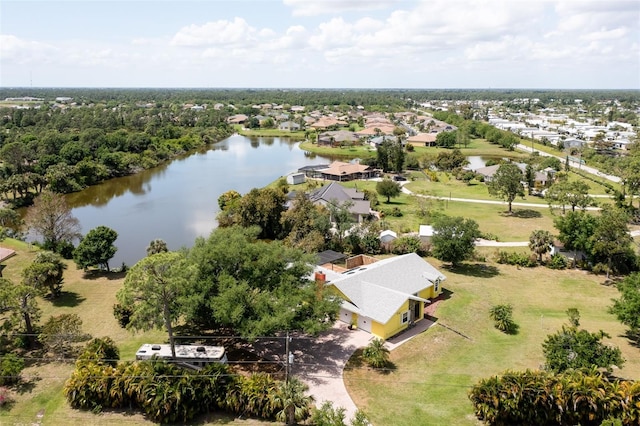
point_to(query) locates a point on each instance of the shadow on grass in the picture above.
(478, 270)
(389, 368)
(357, 361)
(68, 299)
(23, 386)
(94, 274)
(513, 329)
(633, 337)
(524, 214)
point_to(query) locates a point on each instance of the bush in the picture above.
(376, 354)
(5, 398)
(502, 315)
(10, 368)
(514, 258)
(101, 350)
(122, 314)
(409, 244)
(557, 261)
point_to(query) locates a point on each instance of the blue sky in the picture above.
(592, 44)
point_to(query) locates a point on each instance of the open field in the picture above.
(435, 370)
(492, 218)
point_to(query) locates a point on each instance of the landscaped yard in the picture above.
(435, 370)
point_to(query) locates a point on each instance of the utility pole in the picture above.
(286, 358)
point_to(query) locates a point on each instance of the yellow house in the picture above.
(385, 297)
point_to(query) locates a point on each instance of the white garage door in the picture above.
(345, 316)
(364, 323)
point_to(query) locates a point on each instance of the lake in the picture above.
(178, 201)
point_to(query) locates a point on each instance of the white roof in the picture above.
(379, 289)
(148, 350)
(426, 231)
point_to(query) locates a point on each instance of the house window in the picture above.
(436, 285)
(405, 317)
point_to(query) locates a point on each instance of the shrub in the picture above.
(5, 398)
(376, 354)
(502, 315)
(101, 350)
(557, 261)
(515, 258)
(543, 398)
(122, 314)
(409, 244)
(10, 368)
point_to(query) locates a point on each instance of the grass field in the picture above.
(434, 371)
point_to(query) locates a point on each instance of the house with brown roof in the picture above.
(341, 171)
(423, 139)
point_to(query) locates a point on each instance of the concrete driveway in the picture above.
(319, 363)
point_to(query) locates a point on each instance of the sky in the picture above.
(420, 44)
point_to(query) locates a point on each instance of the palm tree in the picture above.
(292, 402)
(540, 242)
(376, 354)
(157, 246)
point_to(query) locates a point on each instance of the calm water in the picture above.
(179, 201)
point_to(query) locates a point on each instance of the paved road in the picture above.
(473, 200)
(573, 164)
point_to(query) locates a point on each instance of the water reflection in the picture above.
(178, 201)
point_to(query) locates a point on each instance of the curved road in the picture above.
(573, 164)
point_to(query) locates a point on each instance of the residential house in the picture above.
(289, 125)
(237, 119)
(423, 139)
(341, 171)
(336, 194)
(335, 138)
(385, 297)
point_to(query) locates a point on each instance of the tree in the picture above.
(96, 248)
(627, 307)
(576, 349)
(502, 315)
(45, 273)
(228, 199)
(262, 207)
(507, 183)
(51, 217)
(154, 289)
(60, 331)
(157, 246)
(575, 194)
(540, 242)
(21, 308)
(341, 217)
(454, 238)
(446, 139)
(388, 188)
(293, 403)
(306, 224)
(575, 230)
(255, 287)
(610, 238)
(376, 354)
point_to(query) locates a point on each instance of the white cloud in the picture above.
(325, 7)
(222, 32)
(18, 50)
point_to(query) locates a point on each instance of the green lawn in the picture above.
(492, 218)
(435, 370)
